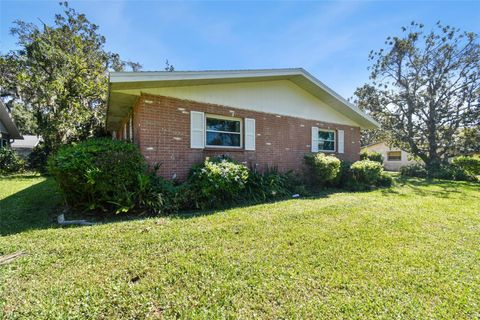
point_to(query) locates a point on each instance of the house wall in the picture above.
(281, 97)
(383, 149)
(162, 131)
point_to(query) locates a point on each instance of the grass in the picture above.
(409, 252)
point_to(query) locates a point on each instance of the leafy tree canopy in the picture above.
(425, 89)
(59, 77)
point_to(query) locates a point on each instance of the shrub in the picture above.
(366, 173)
(453, 172)
(99, 174)
(217, 182)
(10, 161)
(323, 168)
(159, 195)
(272, 185)
(344, 176)
(385, 180)
(468, 164)
(372, 156)
(37, 159)
(413, 170)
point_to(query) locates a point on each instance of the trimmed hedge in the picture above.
(367, 173)
(372, 156)
(323, 168)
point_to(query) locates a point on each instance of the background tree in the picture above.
(59, 75)
(425, 87)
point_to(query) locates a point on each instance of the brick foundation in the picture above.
(161, 128)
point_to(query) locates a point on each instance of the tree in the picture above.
(24, 119)
(467, 141)
(425, 87)
(60, 74)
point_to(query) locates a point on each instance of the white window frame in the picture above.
(214, 116)
(334, 140)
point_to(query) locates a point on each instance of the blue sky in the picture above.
(329, 39)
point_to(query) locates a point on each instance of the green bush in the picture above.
(453, 172)
(344, 176)
(413, 170)
(372, 156)
(37, 159)
(322, 168)
(10, 161)
(385, 180)
(272, 184)
(159, 195)
(366, 173)
(99, 174)
(217, 182)
(469, 164)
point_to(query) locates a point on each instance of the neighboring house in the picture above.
(25, 147)
(263, 118)
(8, 129)
(393, 158)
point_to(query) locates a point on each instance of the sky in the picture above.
(330, 39)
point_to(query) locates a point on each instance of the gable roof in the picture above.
(119, 103)
(7, 121)
(28, 142)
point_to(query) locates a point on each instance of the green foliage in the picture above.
(468, 164)
(366, 173)
(453, 172)
(323, 168)
(272, 184)
(10, 161)
(60, 72)
(425, 85)
(372, 155)
(99, 174)
(24, 118)
(217, 182)
(413, 170)
(385, 180)
(37, 159)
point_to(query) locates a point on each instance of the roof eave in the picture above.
(173, 78)
(7, 121)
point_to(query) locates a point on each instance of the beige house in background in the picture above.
(393, 158)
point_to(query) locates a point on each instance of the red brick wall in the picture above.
(161, 127)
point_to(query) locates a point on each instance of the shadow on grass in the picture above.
(443, 188)
(34, 207)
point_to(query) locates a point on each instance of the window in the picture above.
(3, 143)
(326, 140)
(223, 132)
(394, 155)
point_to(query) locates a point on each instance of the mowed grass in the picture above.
(409, 252)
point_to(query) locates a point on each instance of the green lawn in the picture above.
(409, 252)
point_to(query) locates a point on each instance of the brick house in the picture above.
(263, 118)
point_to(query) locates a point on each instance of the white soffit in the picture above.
(120, 103)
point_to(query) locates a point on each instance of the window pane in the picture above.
(394, 155)
(326, 145)
(223, 139)
(326, 135)
(223, 125)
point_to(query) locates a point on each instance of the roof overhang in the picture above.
(120, 103)
(7, 121)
